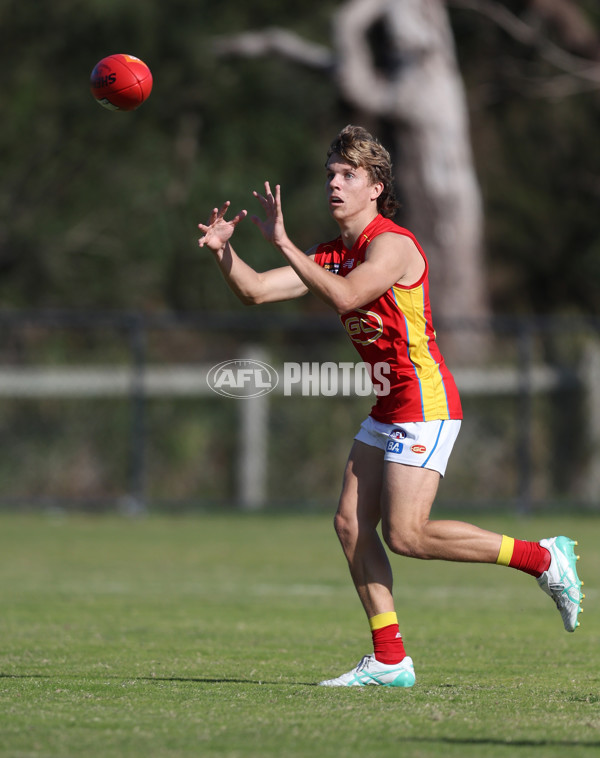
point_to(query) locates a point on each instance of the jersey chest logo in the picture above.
(364, 328)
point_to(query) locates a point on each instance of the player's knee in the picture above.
(404, 541)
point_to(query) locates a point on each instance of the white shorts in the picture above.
(426, 444)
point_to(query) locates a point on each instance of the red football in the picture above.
(121, 82)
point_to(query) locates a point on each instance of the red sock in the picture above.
(529, 557)
(388, 645)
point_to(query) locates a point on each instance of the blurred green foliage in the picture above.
(538, 160)
(99, 209)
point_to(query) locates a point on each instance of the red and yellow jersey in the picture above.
(396, 329)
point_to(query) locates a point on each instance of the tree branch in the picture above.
(573, 65)
(356, 75)
(276, 41)
(571, 25)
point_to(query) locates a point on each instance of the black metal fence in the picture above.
(113, 410)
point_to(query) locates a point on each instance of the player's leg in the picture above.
(356, 522)
(407, 496)
(408, 493)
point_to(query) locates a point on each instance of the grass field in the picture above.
(204, 636)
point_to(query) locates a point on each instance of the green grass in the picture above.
(204, 636)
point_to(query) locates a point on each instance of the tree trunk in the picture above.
(420, 92)
(411, 81)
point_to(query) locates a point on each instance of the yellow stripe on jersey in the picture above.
(433, 393)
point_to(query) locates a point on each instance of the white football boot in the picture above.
(371, 671)
(561, 582)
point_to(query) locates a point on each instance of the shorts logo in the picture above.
(419, 449)
(393, 444)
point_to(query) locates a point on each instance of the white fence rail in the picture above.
(187, 380)
(542, 398)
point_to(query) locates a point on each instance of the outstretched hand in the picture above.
(272, 228)
(218, 231)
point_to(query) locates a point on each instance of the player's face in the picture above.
(349, 189)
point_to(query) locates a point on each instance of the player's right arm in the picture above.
(253, 287)
(250, 286)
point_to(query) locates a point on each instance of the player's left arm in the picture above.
(390, 259)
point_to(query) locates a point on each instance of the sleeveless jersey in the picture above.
(396, 329)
